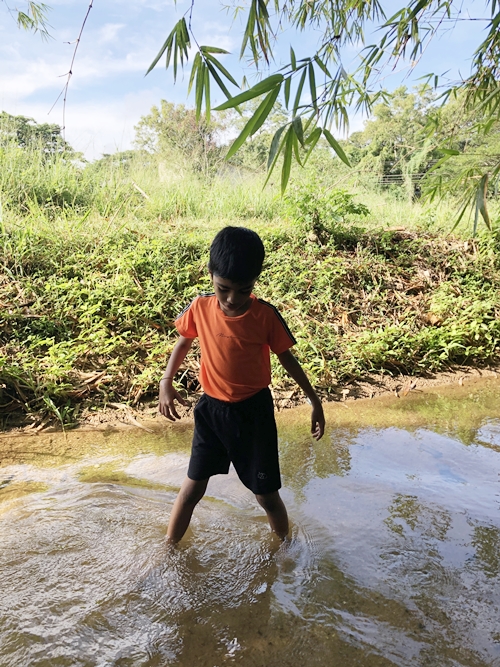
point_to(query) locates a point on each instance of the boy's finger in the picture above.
(318, 429)
(174, 412)
(180, 399)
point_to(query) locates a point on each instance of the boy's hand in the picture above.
(317, 421)
(167, 397)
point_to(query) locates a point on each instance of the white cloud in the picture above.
(109, 32)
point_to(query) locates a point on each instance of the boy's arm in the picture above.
(167, 393)
(294, 369)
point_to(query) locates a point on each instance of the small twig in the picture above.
(140, 190)
(64, 91)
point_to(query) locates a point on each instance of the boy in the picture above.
(234, 419)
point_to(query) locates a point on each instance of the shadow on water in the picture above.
(393, 558)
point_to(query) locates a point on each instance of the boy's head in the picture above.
(236, 257)
(237, 254)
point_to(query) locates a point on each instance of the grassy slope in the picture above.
(89, 288)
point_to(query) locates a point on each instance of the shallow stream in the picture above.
(394, 556)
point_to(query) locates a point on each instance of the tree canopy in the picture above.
(25, 132)
(319, 91)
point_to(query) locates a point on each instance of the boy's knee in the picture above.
(271, 502)
(193, 492)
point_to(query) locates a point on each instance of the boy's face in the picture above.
(234, 298)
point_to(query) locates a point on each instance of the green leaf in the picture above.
(288, 83)
(219, 81)
(314, 136)
(449, 151)
(312, 86)
(196, 64)
(293, 59)
(255, 122)
(322, 65)
(212, 49)
(312, 139)
(336, 146)
(273, 151)
(298, 129)
(167, 43)
(221, 67)
(298, 94)
(200, 84)
(264, 109)
(259, 89)
(207, 94)
(481, 194)
(296, 149)
(287, 160)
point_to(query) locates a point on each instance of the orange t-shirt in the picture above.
(235, 361)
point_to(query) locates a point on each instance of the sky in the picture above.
(109, 92)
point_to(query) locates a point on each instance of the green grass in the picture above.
(93, 271)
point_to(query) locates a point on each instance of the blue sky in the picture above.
(109, 93)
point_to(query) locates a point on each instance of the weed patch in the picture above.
(91, 318)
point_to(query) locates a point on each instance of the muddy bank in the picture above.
(145, 415)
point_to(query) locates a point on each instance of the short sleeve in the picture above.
(280, 336)
(185, 323)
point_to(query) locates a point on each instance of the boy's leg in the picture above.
(276, 512)
(190, 494)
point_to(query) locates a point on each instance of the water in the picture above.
(394, 557)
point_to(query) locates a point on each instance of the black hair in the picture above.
(236, 254)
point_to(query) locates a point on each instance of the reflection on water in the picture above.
(394, 557)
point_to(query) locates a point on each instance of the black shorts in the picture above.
(243, 434)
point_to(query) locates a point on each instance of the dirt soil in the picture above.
(120, 414)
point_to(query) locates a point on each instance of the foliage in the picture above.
(321, 211)
(394, 143)
(33, 16)
(88, 315)
(318, 90)
(25, 132)
(173, 131)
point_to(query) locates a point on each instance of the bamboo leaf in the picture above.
(336, 147)
(249, 30)
(259, 89)
(288, 83)
(264, 109)
(196, 64)
(322, 65)
(298, 130)
(314, 136)
(221, 68)
(296, 149)
(312, 86)
(255, 122)
(287, 160)
(272, 165)
(293, 59)
(481, 194)
(212, 49)
(200, 84)
(312, 139)
(167, 43)
(207, 94)
(217, 78)
(298, 94)
(273, 151)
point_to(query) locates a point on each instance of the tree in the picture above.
(318, 90)
(394, 145)
(25, 132)
(172, 130)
